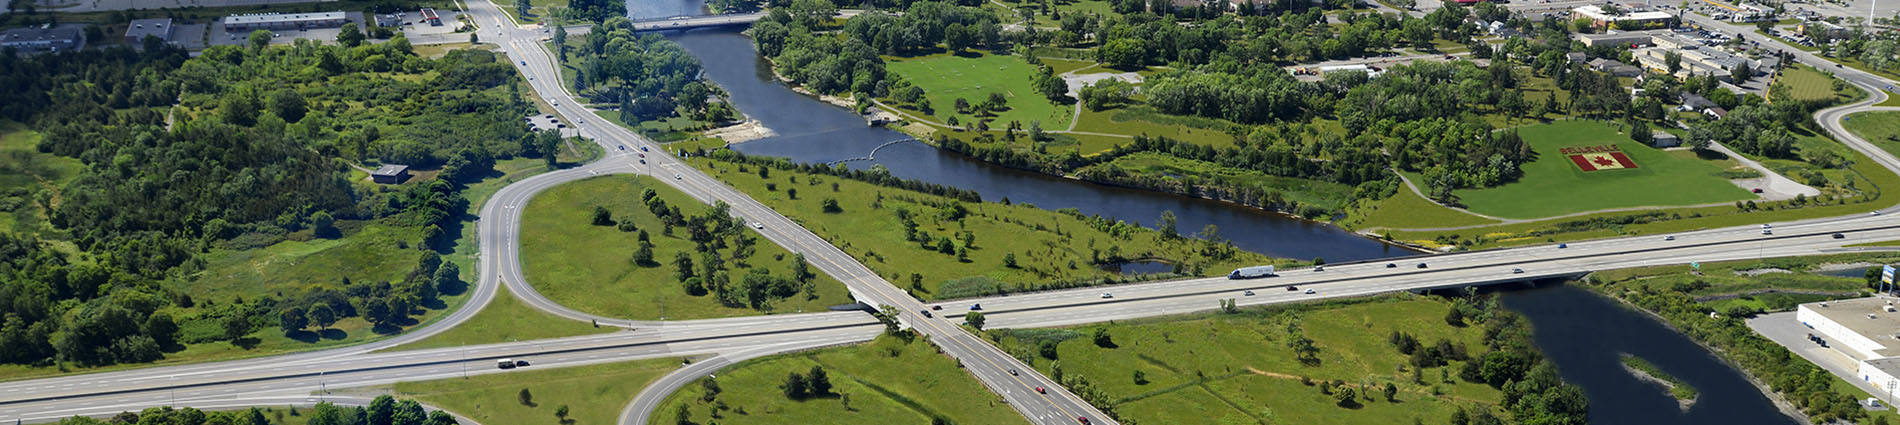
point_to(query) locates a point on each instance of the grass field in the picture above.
(589, 268)
(1236, 368)
(1405, 209)
(594, 394)
(945, 78)
(506, 319)
(1882, 128)
(1805, 83)
(886, 381)
(23, 170)
(1325, 194)
(1552, 185)
(1052, 249)
(1144, 120)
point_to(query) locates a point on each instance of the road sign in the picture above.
(1695, 265)
(1886, 274)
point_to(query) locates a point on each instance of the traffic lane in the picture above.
(424, 372)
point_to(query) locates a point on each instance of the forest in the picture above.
(383, 410)
(240, 148)
(646, 75)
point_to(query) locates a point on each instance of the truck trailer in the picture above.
(1251, 272)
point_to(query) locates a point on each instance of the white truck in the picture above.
(1251, 272)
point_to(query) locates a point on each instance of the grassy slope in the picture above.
(1805, 83)
(1880, 128)
(594, 394)
(1405, 209)
(945, 78)
(1306, 191)
(1552, 185)
(1251, 375)
(506, 319)
(1045, 243)
(886, 382)
(588, 267)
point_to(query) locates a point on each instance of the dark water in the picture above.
(813, 131)
(642, 10)
(1583, 333)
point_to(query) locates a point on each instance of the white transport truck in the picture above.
(1251, 272)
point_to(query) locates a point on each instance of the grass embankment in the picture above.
(1806, 83)
(593, 394)
(973, 77)
(1051, 249)
(1683, 299)
(590, 268)
(1324, 194)
(1239, 368)
(1681, 390)
(1554, 185)
(1882, 128)
(538, 10)
(886, 381)
(1406, 209)
(506, 319)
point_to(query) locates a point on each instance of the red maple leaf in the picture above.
(1602, 161)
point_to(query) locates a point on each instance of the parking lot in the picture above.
(544, 122)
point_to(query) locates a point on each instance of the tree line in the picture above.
(383, 410)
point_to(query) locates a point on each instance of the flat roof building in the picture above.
(275, 21)
(390, 174)
(44, 39)
(1869, 328)
(136, 31)
(1626, 20)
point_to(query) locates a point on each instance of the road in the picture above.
(686, 23)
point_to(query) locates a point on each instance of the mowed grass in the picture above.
(945, 78)
(1553, 185)
(1406, 209)
(1222, 368)
(886, 381)
(590, 268)
(594, 394)
(1882, 128)
(1051, 248)
(1325, 194)
(506, 319)
(1806, 83)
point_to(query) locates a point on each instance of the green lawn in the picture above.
(1237, 368)
(1052, 249)
(1552, 185)
(594, 394)
(1144, 120)
(945, 78)
(1805, 83)
(1325, 194)
(1405, 209)
(886, 381)
(589, 268)
(506, 319)
(1882, 128)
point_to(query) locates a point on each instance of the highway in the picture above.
(686, 23)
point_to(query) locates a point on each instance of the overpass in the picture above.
(691, 22)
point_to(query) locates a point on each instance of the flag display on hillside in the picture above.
(1596, 158)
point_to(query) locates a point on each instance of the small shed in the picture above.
(390, 174)
(1664, 140)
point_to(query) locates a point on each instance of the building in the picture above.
(1603, 20)
(428, 15)
(1621, 38)
(1865, 329)
(1821, 31)
(136, 31)
(283, 21)
(390, 174)
(1577, 57)
(44, 39)
(1615, 68)
(1694, 58)
(1662, 139)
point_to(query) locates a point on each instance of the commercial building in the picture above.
(283, 21)
(428, 15)
(390, 174)
(1822, 30)
(136, 31)
(1866, 329)
(1604, 20)
(1620, 38)
(44, 39)
(1694, 58)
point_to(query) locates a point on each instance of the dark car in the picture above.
(925, 312)
(1840, 236)
(936, 307)
(1421, 265)
(1391, 265)
(1290, 288)
(974, 307)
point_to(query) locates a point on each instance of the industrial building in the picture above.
(136, 31)
(1866, 329)
(1695, 58)
(1603, 20)
(283, 21)
(44, 39)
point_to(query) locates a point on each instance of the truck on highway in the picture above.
(1251, 272)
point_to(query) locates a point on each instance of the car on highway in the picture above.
(1319, 268)
(1107, 295)
(1873, 213)
(1563, 245)
(1767, 226)
(1840, 236)
(1292, 288)
(643, 161)
(936, 307)
(1309, 291)
(643, 149)
(1517, 271)
(974, 307)
(676, 176)
(1767, 232)
(1039, 390)
(1669, 238)
(505, 364)
(758, 225)
(1248, 293)
(926, 313)
(1391, 265)
(1421, 265)
(1081, 419)
(1012, 372)
(524, 63)
(623, 147)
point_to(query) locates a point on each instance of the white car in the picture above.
(1669, 238)
(676, 176)
(1107, 295)
(1309, 291)
(757, 225)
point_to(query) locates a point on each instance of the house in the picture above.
(138, 29)
(1615, 68)
(390, 174)
(1716, 112)
(1694, 102)
(1577, 57)
(1664, 140)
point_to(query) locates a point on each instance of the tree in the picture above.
(474, 39)
(682, 415)
(322, 315)
(1166, 225)
(644, 256)
(259, 39)
(1102, 338)
(791, 193)
(1140, 378)
(521, 8)
(447, 278)
(1009, 260)
(795, 386)
(162, 329)
(409, 412)
(1121, 53)
(1640, 133)
(682, 266)
(442, 418)
(831, 206)
(1391, 391)
(801, 269)
(561, 412)
(1345, 397)
(236, 326)
(603, 217)
(382, 410)
(289, 105)
(1047, 349)
(1455, 317)
(293, 319)
(956, 38)
(526, 398)
(1741, 73)
(350, 36)
(820, 383)
(560, 41)
(975, 318)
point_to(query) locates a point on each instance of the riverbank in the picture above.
(1642, 369)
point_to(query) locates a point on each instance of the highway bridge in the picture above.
(691, 22)
(305, 377)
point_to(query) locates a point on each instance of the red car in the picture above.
(1082, 419)
(1041, 391)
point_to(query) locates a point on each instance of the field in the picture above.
(1325, 194)
(594, 394)
(1145, 120)
(886, 381)
(946, 78)
(1051, 249)
(506, 319)
(1882, 128)
(1406, 209)
(589, 268)
(1806, 83)
(1552, 185)
(1237, 368)
(22, 168)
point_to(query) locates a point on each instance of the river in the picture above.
(1570, 323)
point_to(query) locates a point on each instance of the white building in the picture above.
(1866, 329)
(278, 21)
(1625, 20)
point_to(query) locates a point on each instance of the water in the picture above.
(813, 131)
(643, 10)
(1583, 333)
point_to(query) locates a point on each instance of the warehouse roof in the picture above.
(282, 17)
(1868, 317)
